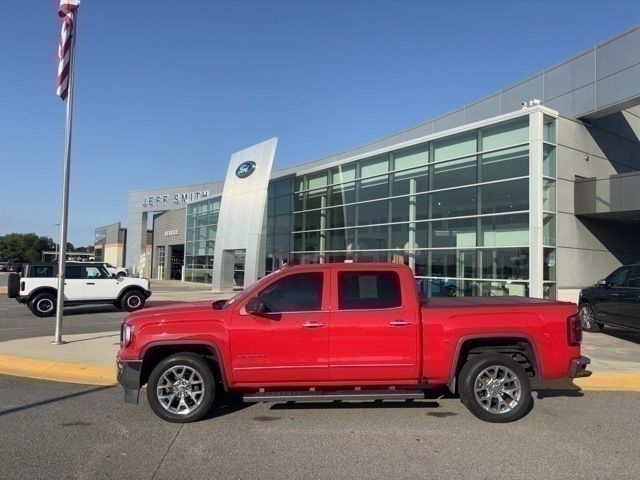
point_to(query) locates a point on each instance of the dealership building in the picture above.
(533, 191)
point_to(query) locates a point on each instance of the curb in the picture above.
(57, 371)
(610, 382)
(4, 290)
(106, 376)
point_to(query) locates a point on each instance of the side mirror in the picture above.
(255, 306)
(113, 275)
(601, 282)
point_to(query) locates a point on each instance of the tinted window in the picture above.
(634, 278)
(41, 271)
(72, 271)
(295, 293)
(617, 278)
(367, 290)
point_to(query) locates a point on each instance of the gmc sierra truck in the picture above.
(347, 332)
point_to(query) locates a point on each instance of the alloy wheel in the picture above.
(180, 390)
(497, 389)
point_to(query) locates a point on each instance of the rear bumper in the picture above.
(578, 367)
(128, 374)
(22, 299)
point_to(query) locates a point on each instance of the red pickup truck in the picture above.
(347, 331)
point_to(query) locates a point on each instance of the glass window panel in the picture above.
(400, 236)
(312, 220)
(372, 188)
(454, 233)
(505, 230)
(281, 243)
(513, 162)
(505, 196)
(282, 205)
(282, 225)
(372, 256)
(374, 166)
(283, 188)
(344, 193)
(505, 263)
(373, 212)
(453, 263)
(341, 216)
(422, 234)
(340, 239)
(455, 146)
(549, 291)
(549, 229)
(422, 207)
(343, 173)
(314, 198)
(411, 157)
(506, 134)
(549, 195)
(400, 209)
(550, 264)
(298, 202)
(298, 222)
(373, 238)
(497, 288)
(455, 173)
(549, 160)
(317, 180)
(549, 129)
(454, 203)
(401, 181)
(298, 184)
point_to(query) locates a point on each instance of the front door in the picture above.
(288, 343)
(630, 306)
(98, 284)
(608, 298)
(374, 331)
(177, 261)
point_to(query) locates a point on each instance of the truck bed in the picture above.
(448, 302)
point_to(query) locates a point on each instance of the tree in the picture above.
(24, 247)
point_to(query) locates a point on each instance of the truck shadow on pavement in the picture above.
(48, 401)
(622, 334)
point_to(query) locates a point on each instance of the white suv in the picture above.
(85, 283)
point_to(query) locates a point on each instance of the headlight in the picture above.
(126, 334)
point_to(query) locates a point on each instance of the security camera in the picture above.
(524, 104)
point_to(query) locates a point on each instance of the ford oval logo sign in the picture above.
(245, 169)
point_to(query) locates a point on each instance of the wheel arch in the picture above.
(39, 290)
(154, 352)
(130, 289)
(513, 344)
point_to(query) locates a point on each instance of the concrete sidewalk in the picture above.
(90, 359)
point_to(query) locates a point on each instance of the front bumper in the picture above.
(147, 293)
(128, 374)
(578, 367)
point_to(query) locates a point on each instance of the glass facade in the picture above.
(455, 209)
(549, 201)
(202, 223)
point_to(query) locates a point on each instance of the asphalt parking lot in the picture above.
(89, 433)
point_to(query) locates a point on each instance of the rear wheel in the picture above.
(43, 305)
(588, 319)
(181, 388)
(495, 388)
(132, 301)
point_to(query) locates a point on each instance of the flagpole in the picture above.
(62, 256)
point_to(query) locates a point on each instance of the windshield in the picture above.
(246, 293)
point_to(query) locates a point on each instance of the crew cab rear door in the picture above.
(374, 327)
(290, 341)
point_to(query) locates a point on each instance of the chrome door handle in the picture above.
(399, 323)
(90, 283)
(313, 325)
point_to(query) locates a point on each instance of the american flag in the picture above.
(67, 12)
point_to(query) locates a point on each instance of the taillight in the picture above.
(574, 330)
(22, 286)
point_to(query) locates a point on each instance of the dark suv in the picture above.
(612, 301)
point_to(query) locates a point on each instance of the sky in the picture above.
(167, 91)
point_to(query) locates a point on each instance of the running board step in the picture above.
(319, 396)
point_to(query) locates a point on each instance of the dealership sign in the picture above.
(245, 169)
(174, 198)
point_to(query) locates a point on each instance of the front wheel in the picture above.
(181, 388)
(588, 319)
(495, 388)
(132, 301)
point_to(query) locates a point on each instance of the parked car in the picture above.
(612, 301)
(85, 283)
(116, 271)
(3, 266)
(347, 331)
(14, 267)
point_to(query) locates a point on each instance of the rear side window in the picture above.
(72, 272)
(300, 292)
(368, 290)
(634, 278)
(41, 271)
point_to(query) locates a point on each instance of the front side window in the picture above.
(617, 278)
(634, 278)
(93, 273)
(300, 292)
(368, 290)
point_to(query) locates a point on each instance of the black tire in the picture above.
(192, 361)
(588, 319)
(132, 301)
(450, 291)
(473, 371)
(43, 305)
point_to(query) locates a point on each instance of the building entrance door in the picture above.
(177, 261)
(239, 257)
